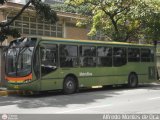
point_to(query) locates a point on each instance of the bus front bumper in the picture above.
(32, 86)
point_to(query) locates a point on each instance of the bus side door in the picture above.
(49, 61)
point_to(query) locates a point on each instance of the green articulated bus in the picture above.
(45, 63)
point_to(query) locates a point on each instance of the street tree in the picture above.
(72, 9)
(151, 22)
(119, 20)
(42, 10)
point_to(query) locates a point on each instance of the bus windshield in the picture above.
(19, 56)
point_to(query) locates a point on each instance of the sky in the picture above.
(21, 1)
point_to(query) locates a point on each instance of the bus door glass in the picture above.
(49, 59)
(36, 63)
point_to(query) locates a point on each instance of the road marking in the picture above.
(81, 109)
(154, 98)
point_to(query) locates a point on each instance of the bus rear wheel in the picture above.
(69, 85)
(132, 80)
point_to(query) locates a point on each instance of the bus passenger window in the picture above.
(152, 55)
(119, 56)
(48, 59)
(68, 56)
(146, 55)
(104, 56)
(87, 56)
(133, 55)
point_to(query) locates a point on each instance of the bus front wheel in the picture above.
(132, 80)
(69, 85)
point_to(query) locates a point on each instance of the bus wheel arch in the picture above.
(133, 80)
(70, 84)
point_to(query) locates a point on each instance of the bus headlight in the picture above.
(27, 81)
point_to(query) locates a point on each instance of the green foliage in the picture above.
(72, 9)
(44, 11)
(151, 29)
(2, 1)
(122, 20)
(6, 31)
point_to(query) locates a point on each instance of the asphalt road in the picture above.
(144, 99)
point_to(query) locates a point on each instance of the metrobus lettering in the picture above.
(85, 74)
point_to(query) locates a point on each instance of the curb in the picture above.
(7, 92)
(3, 93)
(14, 92)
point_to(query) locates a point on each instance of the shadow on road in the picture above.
(57, 99)
(150, 86)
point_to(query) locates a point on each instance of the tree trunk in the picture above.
(116, 35)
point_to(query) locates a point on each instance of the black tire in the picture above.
(69, 85)
(132, 80)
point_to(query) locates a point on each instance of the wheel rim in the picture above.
(70, 85)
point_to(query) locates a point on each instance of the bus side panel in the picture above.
(94, 76)
(52, 81)
(111, 75)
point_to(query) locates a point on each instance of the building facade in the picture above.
(30, 24)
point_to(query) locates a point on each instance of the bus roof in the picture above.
(89, 41)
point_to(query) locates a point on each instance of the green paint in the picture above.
(89, 76)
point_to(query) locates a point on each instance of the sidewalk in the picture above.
(5, 92)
